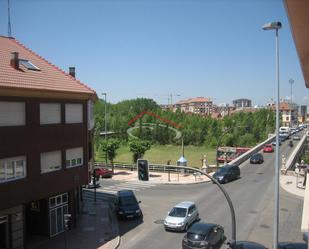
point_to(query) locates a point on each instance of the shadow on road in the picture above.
(127, 225)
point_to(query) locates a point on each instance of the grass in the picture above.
(160, 154)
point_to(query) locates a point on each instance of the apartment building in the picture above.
(199, 105)
(46, 125)
(288, 113)
(242, 103)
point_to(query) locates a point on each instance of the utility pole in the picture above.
(9, 20)
(291, 81)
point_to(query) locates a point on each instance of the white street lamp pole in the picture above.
(276, 26)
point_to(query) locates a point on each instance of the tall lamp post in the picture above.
(276, 26)
(105, 126)
(291, 82)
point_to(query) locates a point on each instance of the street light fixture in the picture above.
(105, 126)
(276, 26)
(291, 82)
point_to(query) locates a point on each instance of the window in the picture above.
(28, 64)
(50, 113)
(74, 157)
(50, 161)
(12, 113)
(73, 113)
(12, 168)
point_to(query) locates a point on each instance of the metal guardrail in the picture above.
(152, 167)
(290, 164)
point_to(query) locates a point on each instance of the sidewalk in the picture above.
(161, 177)
(96, 228)
(292, 185)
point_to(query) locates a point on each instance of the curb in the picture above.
(180, 183)
(115, 242)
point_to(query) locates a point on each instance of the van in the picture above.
(227, 173)
(127, 205)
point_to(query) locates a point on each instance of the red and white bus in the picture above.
(227, 154)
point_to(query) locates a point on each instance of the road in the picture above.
(253, 200)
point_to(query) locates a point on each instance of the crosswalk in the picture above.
(108, 193)
(135, 186)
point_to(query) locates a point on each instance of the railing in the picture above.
(290, 164)
(152, 167)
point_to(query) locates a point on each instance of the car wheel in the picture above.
(225, 180)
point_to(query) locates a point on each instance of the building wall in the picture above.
(31, 140)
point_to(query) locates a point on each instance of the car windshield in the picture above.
(256, 156)
(222, 170)
(196, 236)
(127, 201)
(178, 212)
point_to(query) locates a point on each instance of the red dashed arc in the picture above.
(133, 120)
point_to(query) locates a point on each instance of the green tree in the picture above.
(138, 148)
(110, 147)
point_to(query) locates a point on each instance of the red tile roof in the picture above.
(193, 100)
(49, 78)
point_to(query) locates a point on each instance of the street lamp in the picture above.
(105, 126)
(276, 26)
(291, 82)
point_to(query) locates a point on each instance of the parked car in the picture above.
(248, 245)
(291, 143)
(103, 172)
(268, 148)
(227, 173)
(204, 236)
(127, 205)
(296, 137)
(93, 185)
(257, 158)
(292, 245)
(181, 216)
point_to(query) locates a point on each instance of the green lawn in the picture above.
(162, 153)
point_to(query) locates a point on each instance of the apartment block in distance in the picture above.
(199, 105)
(46, 124)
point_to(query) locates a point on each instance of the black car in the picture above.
(127, 205)
(203, 235)
(248, 245)
(257, 158)
(227, 173)
(291, 143)
(292, 245)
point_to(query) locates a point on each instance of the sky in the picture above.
(154, 48)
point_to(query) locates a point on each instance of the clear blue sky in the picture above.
(150, 48)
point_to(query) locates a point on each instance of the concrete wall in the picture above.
(249, 153)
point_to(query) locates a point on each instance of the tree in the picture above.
(110, 147)
(138, 148)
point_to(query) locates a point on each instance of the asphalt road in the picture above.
(252, 196)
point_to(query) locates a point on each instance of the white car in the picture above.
(181, 216)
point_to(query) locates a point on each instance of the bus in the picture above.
(228, 154)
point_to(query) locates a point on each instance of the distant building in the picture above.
(199, 105)
(303, 113)
(242, 103)
(288, 112)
